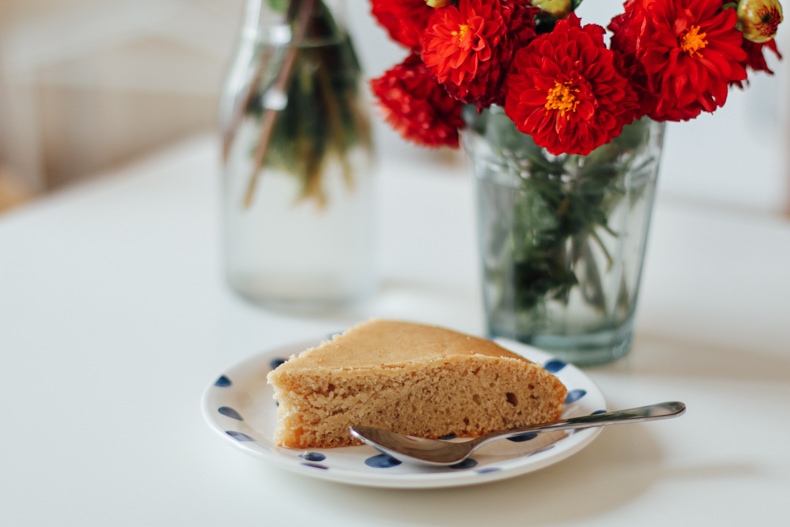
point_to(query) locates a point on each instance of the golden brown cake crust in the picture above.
(414, 378)
(387, 343)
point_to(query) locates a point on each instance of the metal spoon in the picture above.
(443, 453)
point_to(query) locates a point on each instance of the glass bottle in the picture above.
(298, 187)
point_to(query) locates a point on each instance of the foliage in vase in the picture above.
(559, 219)
(307, 102)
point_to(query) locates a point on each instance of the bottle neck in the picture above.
(294, 22)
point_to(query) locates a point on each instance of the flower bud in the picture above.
(556, 8)
(758, 19)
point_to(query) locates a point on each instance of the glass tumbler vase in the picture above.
(562, 239)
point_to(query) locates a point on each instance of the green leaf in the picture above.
(279, 6)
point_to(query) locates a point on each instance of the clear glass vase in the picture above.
(562, 238)
(298, 188)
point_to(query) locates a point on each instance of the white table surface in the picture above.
(114, 318)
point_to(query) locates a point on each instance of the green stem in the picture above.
(270, 115)
(599, 241)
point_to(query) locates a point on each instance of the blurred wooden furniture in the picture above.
(12, 191)
(86, 85)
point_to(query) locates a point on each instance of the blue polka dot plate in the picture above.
(239, 406)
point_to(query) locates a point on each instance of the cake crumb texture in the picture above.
(412, 378)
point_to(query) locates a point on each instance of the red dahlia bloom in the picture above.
(564, 90)
(469, 47)
(417, 106)
(404, 20)
(519, 18)
(626, 29)
(689, 52)
(458, 39)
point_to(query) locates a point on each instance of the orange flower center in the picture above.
(562, 97)
(692, 41)
(463, 29)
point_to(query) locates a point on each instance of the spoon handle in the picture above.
(632, 415)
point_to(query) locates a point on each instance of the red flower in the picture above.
(404, 20)
(417, 106)
(689, 52)
(626, 29)
(565, 91)
(469, 47)
(519, 17)
(755, 59)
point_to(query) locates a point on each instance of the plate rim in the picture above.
(274, 454)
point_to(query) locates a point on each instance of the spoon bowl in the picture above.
(410, 449)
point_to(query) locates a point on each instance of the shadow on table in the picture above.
(659, 355)
(615, 469)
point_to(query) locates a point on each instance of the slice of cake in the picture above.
(420, 380)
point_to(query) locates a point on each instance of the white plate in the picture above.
(239, 406)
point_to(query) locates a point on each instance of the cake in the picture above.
(412, 378)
